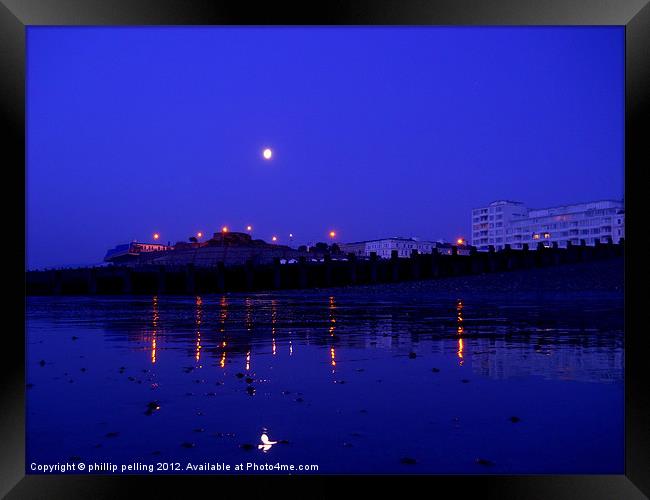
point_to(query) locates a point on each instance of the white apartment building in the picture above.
(384, 247)
(404, 247)
(510, 222)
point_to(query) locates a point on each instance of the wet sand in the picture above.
(516, 372)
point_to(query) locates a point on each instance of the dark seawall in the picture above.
(331, 272)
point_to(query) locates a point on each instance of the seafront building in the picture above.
(403, 246)
(229, 248)
(511, 222)
(129, 251)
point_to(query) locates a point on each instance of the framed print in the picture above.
(367, 242)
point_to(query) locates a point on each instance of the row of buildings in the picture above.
(511, 222)
(501, 222)
(238, 248)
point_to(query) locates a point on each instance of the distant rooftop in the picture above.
(574, 208)
(582, 204)
(399, 238)
(566, 206)
(505, 202)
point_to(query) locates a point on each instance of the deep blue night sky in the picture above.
(375, 131)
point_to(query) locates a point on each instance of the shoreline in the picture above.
(598, 279)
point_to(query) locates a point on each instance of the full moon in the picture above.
(267, 153)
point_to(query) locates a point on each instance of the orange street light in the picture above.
(460, 241)
(199, 234)
(274, 238)
(156, 236)
(332, 234)
(224, 229)
(249, 228)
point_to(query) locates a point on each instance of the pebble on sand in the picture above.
(42, 362)
(412, 355)
(247, 446)
(514, 419)
(409, 461)
(188, 445)
(239, 375)
(435, 370)
(484, 461)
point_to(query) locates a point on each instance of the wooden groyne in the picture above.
(330, 271)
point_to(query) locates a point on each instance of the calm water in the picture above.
(351, 382)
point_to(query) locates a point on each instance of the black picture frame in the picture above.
(17, 15)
